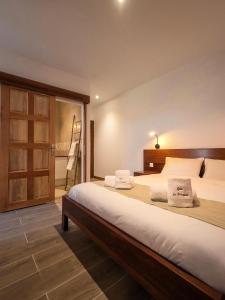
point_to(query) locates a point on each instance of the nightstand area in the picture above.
(146, 172)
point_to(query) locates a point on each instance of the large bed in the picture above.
(172, 255)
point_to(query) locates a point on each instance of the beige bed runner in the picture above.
(209, 211)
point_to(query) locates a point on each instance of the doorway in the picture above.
(69, 137)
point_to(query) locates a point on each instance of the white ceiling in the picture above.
(115, 46)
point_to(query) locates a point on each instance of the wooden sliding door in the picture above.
(27, 148)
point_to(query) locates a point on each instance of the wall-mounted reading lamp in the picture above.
(153, 133)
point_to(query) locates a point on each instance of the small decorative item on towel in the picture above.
(122, 179)
(180, 193)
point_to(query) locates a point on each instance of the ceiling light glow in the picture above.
(97, 97)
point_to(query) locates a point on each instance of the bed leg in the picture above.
(65, 225)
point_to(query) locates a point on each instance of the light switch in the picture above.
(151, 165)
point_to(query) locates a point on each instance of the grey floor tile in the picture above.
(8, 216)
(90, 256)
(44, 297)
(106, 273)
(125, 289)
(81, 287)
(38, 257)
(39, 283)
(12, 249)
(9, 224)
(33, 209)
(52, 255)
(16, 271)
(40, 215)
(50, 221)
(8, 233)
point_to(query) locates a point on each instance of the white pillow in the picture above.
(189, 167)
(214, 169)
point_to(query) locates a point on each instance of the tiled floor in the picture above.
(39, 261)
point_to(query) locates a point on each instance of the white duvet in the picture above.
(196, 246)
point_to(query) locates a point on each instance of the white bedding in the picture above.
(196, 246)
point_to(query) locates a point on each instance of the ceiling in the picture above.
(116, 46)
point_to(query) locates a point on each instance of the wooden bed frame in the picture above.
(160, 277)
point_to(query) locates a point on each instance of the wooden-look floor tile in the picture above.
(52, 255)
(106, 273)
(46, 232)
(10, 223)
(38, 261)
(76, 240)
(16, 271)
(15, 248)
(40, 215)
(8, 233)
(44, 297)
(125, 289)
(12, 249)
(50, 221)
(40, 234)
(8, 216)
(81, 287)
(30, 210)
(39, 283)
(90, 256)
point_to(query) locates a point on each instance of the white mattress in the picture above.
(196, 246)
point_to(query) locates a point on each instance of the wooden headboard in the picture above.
(157, 157)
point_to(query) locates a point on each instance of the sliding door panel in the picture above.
(18, 101)
(17, 160)
(27, 144)
(41, 132)
(41, 105)
(41, 159)
(18, 131)
(17, 190)
(41, 187)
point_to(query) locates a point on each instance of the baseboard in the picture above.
(98, 177)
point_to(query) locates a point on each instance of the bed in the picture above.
(166, 252)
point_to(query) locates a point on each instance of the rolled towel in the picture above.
(110, 181)
(180, 192)
(158, 191)
(123, 180)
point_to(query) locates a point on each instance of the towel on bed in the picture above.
(110, 181)
(180, 192)
(158, 191)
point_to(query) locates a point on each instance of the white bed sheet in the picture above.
(196, 246)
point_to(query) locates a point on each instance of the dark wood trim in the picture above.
(36, 86)
(85, 143)
(92, 136)
(161, 278)
(98, 177)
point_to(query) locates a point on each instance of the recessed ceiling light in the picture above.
(120, 1)
(96, 97)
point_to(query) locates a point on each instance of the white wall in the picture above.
(186, 107)
(25, 67)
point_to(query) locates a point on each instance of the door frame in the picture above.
(83, 134)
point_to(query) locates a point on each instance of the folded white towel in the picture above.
(110, 181)
(180, 192)
(122, 179)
